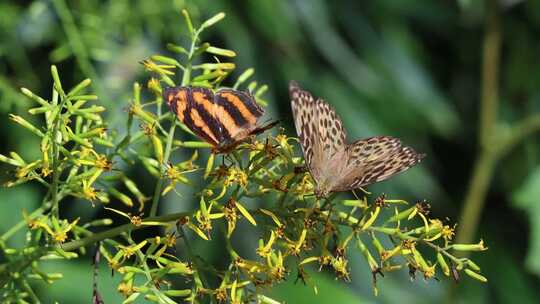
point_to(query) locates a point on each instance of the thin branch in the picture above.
(166, 156)
(186, 79)
(489, 102)
(485, 165)
(519, 132)
(77, 45)
(120, 229)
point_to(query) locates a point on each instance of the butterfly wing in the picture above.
(196, 109)
(319, 129)
(373, 160)
(238, 113)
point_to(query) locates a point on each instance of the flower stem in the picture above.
(492, 145)
(77, 45)
(75, 244)
(487, 160)
(56, 154)
(186, 79)
(166, 156)
(198, 273)
(21, 224)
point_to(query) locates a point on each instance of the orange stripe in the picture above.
(237, 103)
(199, 122)
(208, 105)
(181, 103)
(227, 121)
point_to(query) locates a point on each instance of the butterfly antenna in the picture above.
(364, 190)
(262, 129)
(354, 193)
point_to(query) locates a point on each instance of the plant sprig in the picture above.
(297, 231)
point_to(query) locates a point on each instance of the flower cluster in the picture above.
(298, 232)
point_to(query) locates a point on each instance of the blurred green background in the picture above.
(411, 69)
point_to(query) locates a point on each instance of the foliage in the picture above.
(80, 157)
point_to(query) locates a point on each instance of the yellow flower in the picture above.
(448, 233)
(340, 267)
(45, 171)
(221, 294)
(128, 251)
(236, 176)
(103, 163)
(125, 289)
(154, 85)
(88, 191)
(60, 233)
(429, 272)
(136, 220)
(231, 217)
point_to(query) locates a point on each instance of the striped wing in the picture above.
(319, 129)
(238, 113)
(195, 108)
(222, 119)
(375, 159)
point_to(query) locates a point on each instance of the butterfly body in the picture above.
(224, 119)
(334, 164)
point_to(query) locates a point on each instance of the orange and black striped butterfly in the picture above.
(224, 119)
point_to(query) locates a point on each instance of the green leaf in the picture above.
(527, 198)
(246, 214)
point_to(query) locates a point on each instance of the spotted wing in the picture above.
(319, 129)
(375, 159)
(238, 113)
(195, 108)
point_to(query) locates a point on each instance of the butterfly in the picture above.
(334, 164)
(224, 119)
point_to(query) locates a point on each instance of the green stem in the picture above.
(147, 273)
(186, 79)
(519, 132)
(8, 234)
(76, 43)
(161, 180)
(482, 174)
(30, 291)
(475, 198)
(19, 265)
(485, 166)
(489, 100)
(73, 245)
(198, 274)
(493, 146)
(56, 154)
